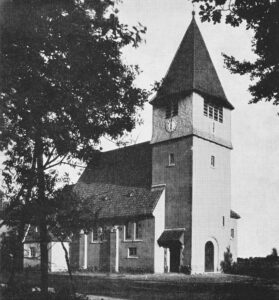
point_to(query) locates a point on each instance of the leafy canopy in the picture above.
(261, 16)
(63, 85)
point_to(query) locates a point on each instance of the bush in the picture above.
(227, 264)
(186, 269)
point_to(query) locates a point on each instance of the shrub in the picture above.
(227, 264)
(186, 269)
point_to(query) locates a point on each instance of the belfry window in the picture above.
(172, 109)
(213, 111)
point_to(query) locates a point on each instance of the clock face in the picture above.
(170, 125)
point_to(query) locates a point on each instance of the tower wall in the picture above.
(211, 202)
(183, 120)
(178, 180)
(211, 199)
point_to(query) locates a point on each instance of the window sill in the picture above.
(170, 166)
(135, 257)
(132, 241)
(98, 242)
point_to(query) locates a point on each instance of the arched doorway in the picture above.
(209, 257)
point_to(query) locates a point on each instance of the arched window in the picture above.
(209, 257)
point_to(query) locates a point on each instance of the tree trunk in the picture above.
(43, 222)
(44, 258)
(69, 267)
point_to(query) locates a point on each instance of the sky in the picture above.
(255, 127)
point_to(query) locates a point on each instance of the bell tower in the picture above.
(191, 145)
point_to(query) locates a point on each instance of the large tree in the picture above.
(262, 17)
(63, 87)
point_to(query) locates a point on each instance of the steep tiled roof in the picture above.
(128, 166)
(115, 201)
(192, 70)
(234, 215)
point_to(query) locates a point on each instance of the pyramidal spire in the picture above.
(192, 70)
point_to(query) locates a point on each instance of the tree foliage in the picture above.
(63, 85)
(262, 17)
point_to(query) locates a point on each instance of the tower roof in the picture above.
(192, 70)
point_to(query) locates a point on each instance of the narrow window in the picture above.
(232, 233)
(168, 110)
(94, 236)
(205, 108)
(210, 109)
(128, 230)
(132, 252)
(32, 252)
(212, 161)
(223, 221)
(138, 230)
(171, 159)
(174, 108)
(221, 114)
(216, 113)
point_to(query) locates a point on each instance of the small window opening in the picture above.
(232, 233)
(132, 252)
(223, 221)
(212, 161)
(32, 252)
(172, 109)
(138, 230)
(128, 230)
(171, 159)
(213, 111)
(94, 236)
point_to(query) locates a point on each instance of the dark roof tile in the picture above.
(115, 201)
(192, 70)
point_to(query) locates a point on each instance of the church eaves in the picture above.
(192, 70)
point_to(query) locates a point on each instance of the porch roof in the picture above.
(171, 236)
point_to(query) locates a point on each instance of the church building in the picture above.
(165, 205)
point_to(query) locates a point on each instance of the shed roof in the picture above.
(234, 215)
(192, 70)
(170, 237)
(116, 201)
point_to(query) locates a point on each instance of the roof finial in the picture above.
(194, 10)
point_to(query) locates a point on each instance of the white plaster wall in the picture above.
(233, 241)
(58, 262)
(183, 120)
(159, 215)
(203, 125)
(211, 201)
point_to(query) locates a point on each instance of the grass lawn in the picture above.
(167, 286)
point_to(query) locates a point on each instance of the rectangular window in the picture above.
(213, 111)
(221, 114)
(232, 233)
(168, 111)
(210, 114)
(212, 161)
(205, 108)
(172, 109)
(132, 252)
(216, 113)
(138, 230)
(32, 252)
(94, 235)
(171, 159)
(223, 221)
(129, 230)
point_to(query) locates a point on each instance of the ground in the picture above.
(167, 286)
